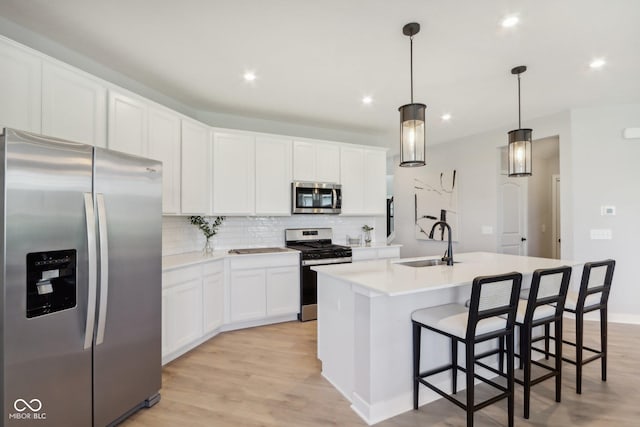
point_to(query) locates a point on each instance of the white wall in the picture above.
(606, 172)
(597, 167)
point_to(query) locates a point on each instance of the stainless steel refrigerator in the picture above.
(80, 316)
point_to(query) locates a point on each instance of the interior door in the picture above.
(512, 215)
(127, 350)
(47, 361)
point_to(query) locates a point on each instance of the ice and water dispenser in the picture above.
(51, 282)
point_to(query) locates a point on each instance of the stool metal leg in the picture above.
(546, 341)
(470, 365)
(417, 331)
(525, 356)
(579, 345)
(603, 341)
(510, 374)
(454, 366)
(558, 342)
(501, 354)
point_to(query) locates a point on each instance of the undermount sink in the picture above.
(257, 250)
(424, 263)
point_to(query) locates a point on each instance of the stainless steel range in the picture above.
(315, 248)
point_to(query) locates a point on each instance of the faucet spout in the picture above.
(449, 255)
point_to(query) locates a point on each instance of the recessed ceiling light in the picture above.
(249, 76)
(446, 117)
(597, 63)
(366, 100)
(510, 21)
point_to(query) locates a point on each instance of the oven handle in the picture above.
(310, 262)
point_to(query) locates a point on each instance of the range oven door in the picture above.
(316, 198)
(309, 287)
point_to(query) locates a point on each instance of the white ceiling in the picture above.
(316, 59)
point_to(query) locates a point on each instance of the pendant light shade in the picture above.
(412, 125)
(519, 141)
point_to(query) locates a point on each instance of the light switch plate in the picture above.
(601, 234)
(607, 210)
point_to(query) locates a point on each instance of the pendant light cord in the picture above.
(411, 66)
(519, 121)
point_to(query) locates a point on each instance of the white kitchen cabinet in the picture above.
(273, 176)
(233, 174)
(363, 179)
(264, 286)
(164, 145)
(181, 308)
(195, 191)
(128, 117)
(213, 295)
(316, 161)
(74, 105)
(248, 294)
(283, 293)
(20, 88)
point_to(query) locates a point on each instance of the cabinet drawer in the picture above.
(264, 261)
(181, 275)
(213, 267)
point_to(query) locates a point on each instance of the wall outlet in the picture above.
(601, 234)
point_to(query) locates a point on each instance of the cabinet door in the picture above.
(127, 124)
(181, 315)
(74, 106)
(20, 88)
(375, 182)
(304, 161)
(327, 162)
(233, 174)
(248, 295)
(213, 296)
(164, 145)
(353, 184)
(283, 291)
(273, 176)
(195, 183)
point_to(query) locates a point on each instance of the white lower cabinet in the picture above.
(213, 296)
(263, 286)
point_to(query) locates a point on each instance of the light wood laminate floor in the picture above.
(269, 376)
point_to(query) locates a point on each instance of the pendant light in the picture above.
(412, 126)
(519, 140)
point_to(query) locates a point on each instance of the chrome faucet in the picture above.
(448, 256)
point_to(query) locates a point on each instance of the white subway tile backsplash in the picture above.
(179, 236)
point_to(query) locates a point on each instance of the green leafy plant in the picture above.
(208, 225)
(366, 228)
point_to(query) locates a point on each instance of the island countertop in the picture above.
(391, 278)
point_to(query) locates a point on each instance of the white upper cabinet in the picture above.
(273, 176)
(74, 105)
(164, 145)
(316, 161)
(20, 88)
(233, 174)
(363, 173)
(127, 124)
(196, 166)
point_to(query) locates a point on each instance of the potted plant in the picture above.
(209, 227)
(367, 234)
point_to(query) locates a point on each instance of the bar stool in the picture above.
(593, 295)
(491, 297)
(543, 306)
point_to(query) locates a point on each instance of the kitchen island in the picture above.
(364, 323)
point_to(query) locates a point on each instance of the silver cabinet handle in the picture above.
(334, 203)
(104, 268)
(92, 273)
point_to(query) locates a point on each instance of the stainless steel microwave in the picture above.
(316, 198)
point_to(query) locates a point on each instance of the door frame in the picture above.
(555, 217)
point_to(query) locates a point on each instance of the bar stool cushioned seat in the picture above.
(491, 297)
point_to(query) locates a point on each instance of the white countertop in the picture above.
(391, 278)
(170, 262)
(375, 246)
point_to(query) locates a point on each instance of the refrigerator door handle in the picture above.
(104, 268)
(92, 273)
